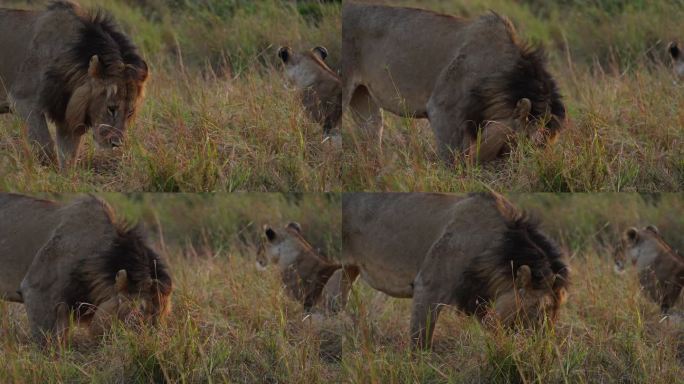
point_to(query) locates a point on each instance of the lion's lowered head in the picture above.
(524, 98)
(677, 58)
(129, 278)
(304, 271)
(99, 83)
(526, 278)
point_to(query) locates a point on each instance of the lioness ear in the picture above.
(121, 281)
(523, 278)
(653, 228)
(94, 67)
(270, 233)
(673, 48)
(522, 109)
(321, 52)
(284, 54)
(295, 225)
(632, 234)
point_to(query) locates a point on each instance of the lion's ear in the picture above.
(295, 226)
(320, 52)
(75, 114)
(94, 67)
(673, 48)
(522, 109)
(121, 281)
(284, 54)
(632, 234)
(523, 277)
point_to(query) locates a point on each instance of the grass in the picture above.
(231, 323)
(217, 116)
(625, 131)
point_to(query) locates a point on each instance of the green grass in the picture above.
(231, 323)
(217, 116)
(626, 129)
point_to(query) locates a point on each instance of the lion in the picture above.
(677, 59)
(74, 68)
(476, 252)
(74, 260)
(476, 83)
(659, 266)
(320, 88)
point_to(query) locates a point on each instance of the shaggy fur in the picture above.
(101, 36)
(93, 280)
(495, 97)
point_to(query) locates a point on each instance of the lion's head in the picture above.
(677, 58)
(128, 280)
(98, 84)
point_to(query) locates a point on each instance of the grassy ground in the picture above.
(217, 116)
(231, 323)
(626, 128)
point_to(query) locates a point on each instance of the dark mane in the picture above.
(527, 78)
(94, 278)
(99, 35)
(523, 243)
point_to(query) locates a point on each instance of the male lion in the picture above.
(320, 87)
(76, 69)
(73, 259)
(476, 252)
(660, 267)
(677, 58)
(472, 79)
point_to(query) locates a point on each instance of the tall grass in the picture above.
(231, 323)
(626, 127)
(217, 116)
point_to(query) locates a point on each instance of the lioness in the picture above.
(320, 87)
(677, 59)
(472, 79)
(73, 259)
(660, 268)
(476, 252)
(77, 69)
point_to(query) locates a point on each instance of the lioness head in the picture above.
(107, 100)
(677, 58)
(640, 247)
(303, 69)
(304, 271)
(529, 304)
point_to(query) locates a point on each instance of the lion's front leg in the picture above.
(68, 143)
(48, 319)
(38, 133)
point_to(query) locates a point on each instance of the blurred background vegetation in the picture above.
(225, 224)
(231, 223)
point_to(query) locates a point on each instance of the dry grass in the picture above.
(231, 323)
(217, 117)
(626, 129)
